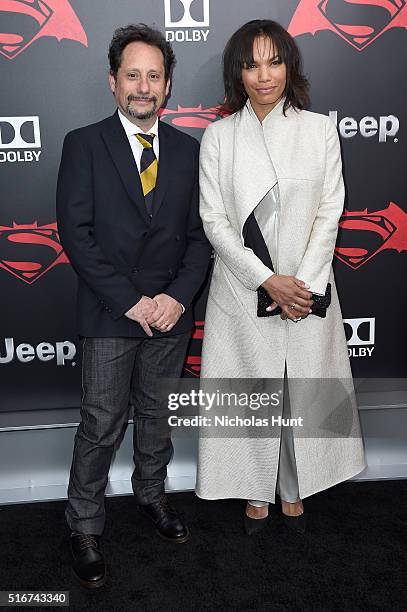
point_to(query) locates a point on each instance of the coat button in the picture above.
(177, 237)
(170, 273)
(135, 269)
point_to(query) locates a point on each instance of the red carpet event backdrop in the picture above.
(53, 59)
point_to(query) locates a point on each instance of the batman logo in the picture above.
(359, 27)
(25, 21)
(363, 234)
(30, 251)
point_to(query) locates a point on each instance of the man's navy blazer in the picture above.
(118, 252)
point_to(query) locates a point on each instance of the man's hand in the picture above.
(167, 314)
(141, 312)
(290, 294)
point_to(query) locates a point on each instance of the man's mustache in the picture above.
(145, 98)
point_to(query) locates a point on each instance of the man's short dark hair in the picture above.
(139, 33)
(239, 53)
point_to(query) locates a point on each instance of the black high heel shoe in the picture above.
(253, 526)
(296, 524)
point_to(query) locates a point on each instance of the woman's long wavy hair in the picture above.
(239, 53)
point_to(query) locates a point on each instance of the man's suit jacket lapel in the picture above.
(119, 148)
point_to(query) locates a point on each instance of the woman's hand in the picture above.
(290, 294)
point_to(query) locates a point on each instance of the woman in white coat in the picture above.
(271, 197)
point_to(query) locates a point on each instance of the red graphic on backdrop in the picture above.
(311, 16)
(30, 251)
(192, 365)
(33, 19)
(363, 235)
(192, 117)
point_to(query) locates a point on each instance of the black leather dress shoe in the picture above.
(88, 563)
(166, 520)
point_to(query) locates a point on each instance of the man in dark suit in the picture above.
(127, 201)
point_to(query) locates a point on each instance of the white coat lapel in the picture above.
(253, 170)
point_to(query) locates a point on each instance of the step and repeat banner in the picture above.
(53, 62)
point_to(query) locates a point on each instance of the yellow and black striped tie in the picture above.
(148, 170)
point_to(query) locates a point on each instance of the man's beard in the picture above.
(142, 116)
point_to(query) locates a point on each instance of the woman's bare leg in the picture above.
(292, 509)
(257, 509)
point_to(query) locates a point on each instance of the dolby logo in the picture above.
(186, 20)
(20, 139)
(360, 335)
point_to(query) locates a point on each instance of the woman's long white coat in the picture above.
(241, 159)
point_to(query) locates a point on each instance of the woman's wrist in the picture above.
(268, 283)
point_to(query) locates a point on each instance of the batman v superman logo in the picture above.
(30, 251)
(363, 234)
(25, 21)
(192, 117)
(358, 22)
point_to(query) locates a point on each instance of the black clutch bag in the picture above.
(253, 238)
(321, 303)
